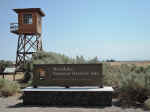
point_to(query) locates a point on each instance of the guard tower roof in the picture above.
(30, 10)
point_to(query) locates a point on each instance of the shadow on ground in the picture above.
(21, 105)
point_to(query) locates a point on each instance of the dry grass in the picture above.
(18, 76)
(137, 63)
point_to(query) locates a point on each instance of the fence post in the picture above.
(3, 75)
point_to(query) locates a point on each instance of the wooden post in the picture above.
(14, 76)
(3, 76)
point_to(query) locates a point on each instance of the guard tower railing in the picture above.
(14, 27)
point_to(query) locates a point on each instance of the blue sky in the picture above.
(117, 29)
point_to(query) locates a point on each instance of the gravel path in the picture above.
(13, 104)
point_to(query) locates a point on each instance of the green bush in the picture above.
(50, 58)
(2, 83)
(27, 73)
(134, 88)
(56, 58)
(111, 75)
(8, 88)
(147, 103)
(131, 83)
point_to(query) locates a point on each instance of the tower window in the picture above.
(27, 18)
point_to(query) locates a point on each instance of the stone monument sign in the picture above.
(67, 75)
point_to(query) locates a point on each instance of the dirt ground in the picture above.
(18, 76)
(14, 104)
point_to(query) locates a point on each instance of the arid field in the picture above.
(137, 63)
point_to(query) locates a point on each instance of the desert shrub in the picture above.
(8, 88)
(80, 60)
(147, 103)
(28, 72)
(134, 88)
(56, 58)
(2, 82)
(111, 75)
(110, 60)
(94, 60)
(131, 83)
(50, 58)
(139, 69)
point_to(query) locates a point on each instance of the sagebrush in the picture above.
(8, 88)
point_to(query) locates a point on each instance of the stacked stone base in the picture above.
(68, 98)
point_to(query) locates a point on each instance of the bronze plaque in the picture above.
(67, 75)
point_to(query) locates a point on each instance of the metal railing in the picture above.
(14, 27)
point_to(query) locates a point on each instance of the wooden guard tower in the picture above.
(29, 30)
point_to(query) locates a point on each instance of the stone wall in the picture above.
(67, 98)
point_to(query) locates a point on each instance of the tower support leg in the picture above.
(27, 45)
